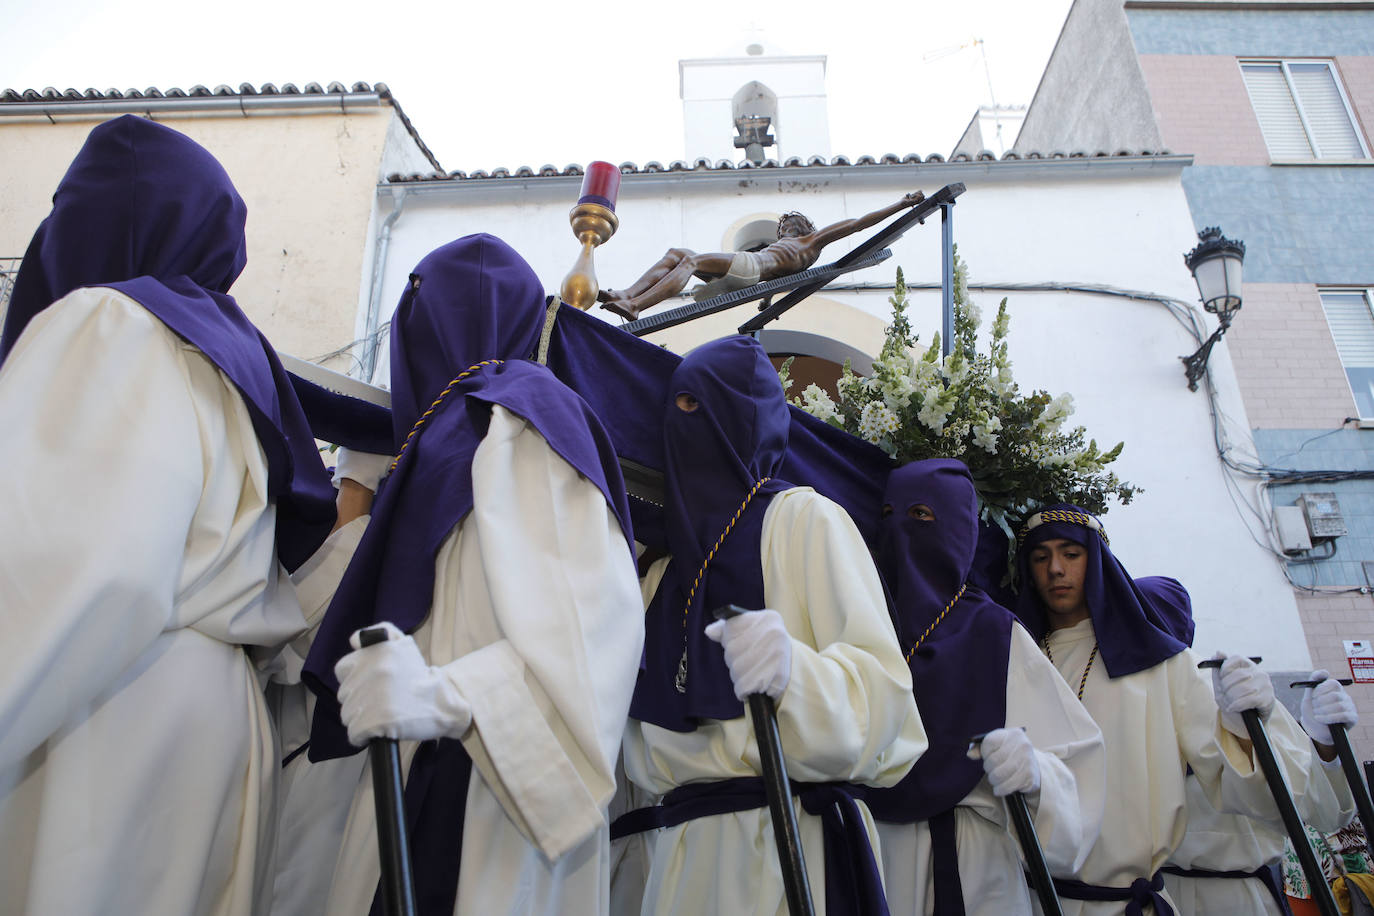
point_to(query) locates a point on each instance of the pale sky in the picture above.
(491, 83)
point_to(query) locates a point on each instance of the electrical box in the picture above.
(1324, 518)
(1290, 528)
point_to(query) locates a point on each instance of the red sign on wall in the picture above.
(1360, 654)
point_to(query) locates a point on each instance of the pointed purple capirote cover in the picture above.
(625, 380)
(715, 455)
(472, 300)
(147, 211)
(959, 673)
(1136, 629)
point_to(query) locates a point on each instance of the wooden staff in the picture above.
(1346, 753)
(1273, 775)
(779, 791)
(393, 842)
(1040, 877)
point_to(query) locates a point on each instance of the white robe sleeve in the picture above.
(1068, 747)
(1231, 778)
(102, 472)
(551, 692)
(848, 712)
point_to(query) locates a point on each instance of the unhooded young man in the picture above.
(1113, 642)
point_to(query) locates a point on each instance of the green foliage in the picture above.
(967, 406)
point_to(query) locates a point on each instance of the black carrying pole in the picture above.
(779, 793)
(1297, 836)
(1040, 878)
(1316, 881)
(1358, 788)
(1351, 766)
(393, 843)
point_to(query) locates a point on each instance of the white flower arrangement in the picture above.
(967, 405)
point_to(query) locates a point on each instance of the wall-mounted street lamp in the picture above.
(1215, 264)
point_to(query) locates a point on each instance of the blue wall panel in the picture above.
(1324, 450)
(1253, 33)
(1300, 224)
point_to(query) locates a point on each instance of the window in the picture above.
(9, 268)
(1302, 110)
(1352, 326)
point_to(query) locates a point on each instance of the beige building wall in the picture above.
(308, 180)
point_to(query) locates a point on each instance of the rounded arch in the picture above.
(816, 359)
(751, 232)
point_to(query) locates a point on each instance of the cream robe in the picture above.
(314, 805)
(1155, 723)
(1067, 810)
(138, 764)
(847, 714)
(1233, 842)
(536, 599)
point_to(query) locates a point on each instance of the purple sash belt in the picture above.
(852, 881)
(1139, 895)
(1264, 874)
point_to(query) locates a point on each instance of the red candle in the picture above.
(600, 185)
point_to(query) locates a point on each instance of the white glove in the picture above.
(363, 467)
(758, 651)
(1324, 705)
(1239, 685)
(1009, 762)
(388, 691)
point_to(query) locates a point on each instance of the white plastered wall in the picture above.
(307, 180)
(1120, 225)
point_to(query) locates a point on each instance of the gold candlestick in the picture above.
(592, 224)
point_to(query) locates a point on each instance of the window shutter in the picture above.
(1277, 114)
(1352, 326)
(1321, 101)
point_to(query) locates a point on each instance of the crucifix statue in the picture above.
(798, 246)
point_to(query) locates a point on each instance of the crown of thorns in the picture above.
(793, 214)
(1061, 515)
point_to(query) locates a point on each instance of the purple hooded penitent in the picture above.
(959, 671)
(472, 301)
(625, 380)
(147, 211)
(1136, 628)
(715, 455)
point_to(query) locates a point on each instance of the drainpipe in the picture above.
(374, 297)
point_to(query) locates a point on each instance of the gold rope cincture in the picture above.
(545, 338)
(424, 417)
(1083, 681)
(936, 622)
(1061, 515)
(680, 682)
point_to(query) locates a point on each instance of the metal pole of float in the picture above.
(947, 278)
